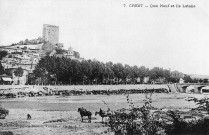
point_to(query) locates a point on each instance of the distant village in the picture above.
(27, 53)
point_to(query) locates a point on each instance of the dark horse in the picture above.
(3, 113)
(28, 116)
(84, 112)
(103, 113)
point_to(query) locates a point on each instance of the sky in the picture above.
(175, 38)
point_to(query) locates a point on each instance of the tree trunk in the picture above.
(18, 81)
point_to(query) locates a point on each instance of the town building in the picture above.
(69, 54)
(5, 79)
(26, 54)
(181, 80)
(146, 80)
(15, 79)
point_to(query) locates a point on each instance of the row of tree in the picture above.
(67, 71)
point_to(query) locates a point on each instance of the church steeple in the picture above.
(70, 51)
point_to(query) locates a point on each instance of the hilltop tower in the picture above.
(51, 33)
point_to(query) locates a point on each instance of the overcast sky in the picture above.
(176, 38)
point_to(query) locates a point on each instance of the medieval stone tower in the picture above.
(51, 33)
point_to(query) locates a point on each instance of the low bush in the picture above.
(181, 126)
(147, 120)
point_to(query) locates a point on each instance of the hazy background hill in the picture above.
(197, 76)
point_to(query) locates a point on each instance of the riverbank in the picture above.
(58, 114)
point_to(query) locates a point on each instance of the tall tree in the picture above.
(144, 72)
(19, 73)
(118, 71)
(86, 71)
(127, 73)
(188, 79)
(1, 69)
(3, 54)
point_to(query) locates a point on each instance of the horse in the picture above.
(28, 116)
(3, 113)
(84, 112)
(103, 114)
